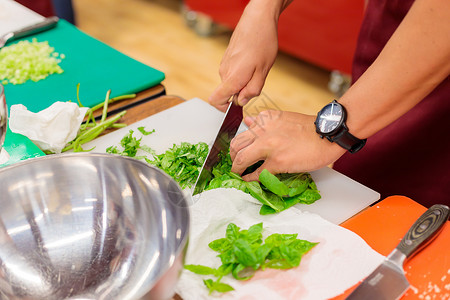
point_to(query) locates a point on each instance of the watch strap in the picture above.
(348, 141)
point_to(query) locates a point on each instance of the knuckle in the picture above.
(239, 158)
(252, 91)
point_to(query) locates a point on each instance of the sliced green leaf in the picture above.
(144, 132)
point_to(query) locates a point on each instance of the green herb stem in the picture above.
(105, 106)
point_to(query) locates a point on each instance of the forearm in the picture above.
(414, 61)
(272, 8)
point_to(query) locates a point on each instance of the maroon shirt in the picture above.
(411, 156)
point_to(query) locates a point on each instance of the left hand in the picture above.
(287, 142)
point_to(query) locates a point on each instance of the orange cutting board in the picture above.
(383, 225)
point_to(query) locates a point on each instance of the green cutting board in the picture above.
(89, 62)
(19, 147)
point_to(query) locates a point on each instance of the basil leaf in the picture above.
(309, 196)
(242, 272)
(272, 200)
(209, 284)
(225, 269)
(277, 239)
(255, 232)
(201, 270)
(262, 252)
(266, 210)
(296, 183)
(220, 287)
(291, 201)
(232, 232)
(228, 257)
(278, 264)
(244, 253)
(290, 254)
(302, 246)
(273, 184)
(220, 245)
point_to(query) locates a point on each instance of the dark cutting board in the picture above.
(93, 64)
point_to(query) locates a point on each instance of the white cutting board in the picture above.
(14, 16)
(196, 121)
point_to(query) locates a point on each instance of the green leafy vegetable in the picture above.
(129, 143)
(183, 162)
(242, 253)
(275, 192)
(144, 132)
(217, 286)
(274, 184)
(91, 128)
(28, 61)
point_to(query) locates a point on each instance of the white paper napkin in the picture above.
(338, 262)
(50, 129)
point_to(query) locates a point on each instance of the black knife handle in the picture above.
(424, 230)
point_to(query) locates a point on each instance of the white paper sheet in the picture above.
(14, 16)
(339, 261)
(50, 129)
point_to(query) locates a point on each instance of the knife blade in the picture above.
(227, 131)
(388, 280)
(46, 24)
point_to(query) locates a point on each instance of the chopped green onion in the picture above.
(28, 61)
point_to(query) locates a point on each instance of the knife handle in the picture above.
(35, 28)
(424, 230)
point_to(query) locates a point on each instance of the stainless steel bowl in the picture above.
(90, 226)
(3, 116)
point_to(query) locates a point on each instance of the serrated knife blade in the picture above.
(230, 125)
(388, 281)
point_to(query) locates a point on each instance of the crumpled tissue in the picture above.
(338, 262)
(50, 129)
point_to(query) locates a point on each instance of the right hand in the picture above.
(250, 55)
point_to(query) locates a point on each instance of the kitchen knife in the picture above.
(388, 281)
(230, 125)
(46, 24)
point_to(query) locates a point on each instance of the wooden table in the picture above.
(382, 226)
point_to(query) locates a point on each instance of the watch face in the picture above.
(330, 117)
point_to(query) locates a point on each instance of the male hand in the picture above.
(250, 55)
(287, 143)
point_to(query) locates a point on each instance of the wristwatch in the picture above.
(330, 123)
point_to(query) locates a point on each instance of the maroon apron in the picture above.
(42, 7)
(411, 156)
